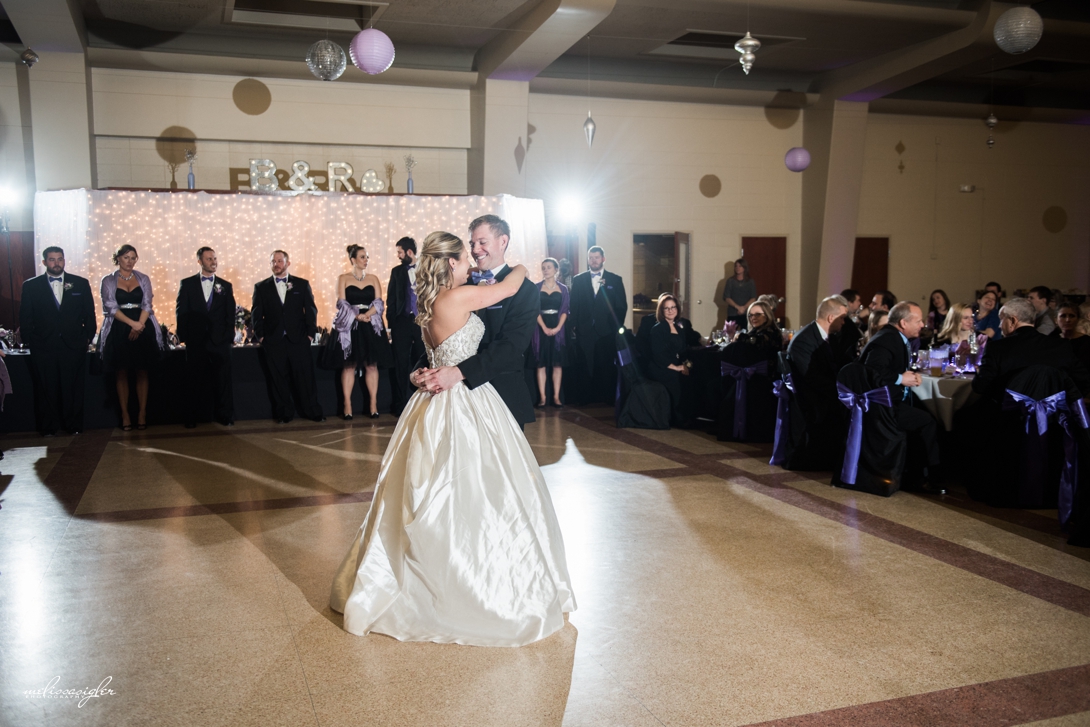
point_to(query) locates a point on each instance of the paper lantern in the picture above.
(326, 60)
(797, 159)
(1018, 30)
(372, 51)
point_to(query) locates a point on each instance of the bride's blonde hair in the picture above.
(433, 271)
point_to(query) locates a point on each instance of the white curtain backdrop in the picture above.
(167, 229)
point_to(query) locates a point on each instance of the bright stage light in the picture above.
(569, 208)
(9, 196)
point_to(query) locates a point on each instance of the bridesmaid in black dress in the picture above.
(131, 339)
(549, 344)
(370, 350)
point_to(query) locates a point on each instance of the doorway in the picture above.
(870, 266)
(767, 258)
(660, 264)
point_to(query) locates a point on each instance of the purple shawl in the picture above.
(565, 309)
(109, 307)
(344, 322)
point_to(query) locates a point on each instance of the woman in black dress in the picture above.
(668, 350)
(763, 331)
(549, 344)
(131, 339)
(359, 343)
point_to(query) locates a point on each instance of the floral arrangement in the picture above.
(391, 169)
(410, 162)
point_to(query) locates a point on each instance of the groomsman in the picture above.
(598, 309)
(285, 320)
(206, 324)
(57, 321)
(401, 320)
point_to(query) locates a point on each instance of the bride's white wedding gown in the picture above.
(461, 544)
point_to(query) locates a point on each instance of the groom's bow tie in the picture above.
(484, 275)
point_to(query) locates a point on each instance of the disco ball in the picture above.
(326, 60)
(1018, 30)
(372, 51)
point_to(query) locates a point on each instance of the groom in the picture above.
(509, 326)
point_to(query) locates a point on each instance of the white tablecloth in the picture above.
(943, 396)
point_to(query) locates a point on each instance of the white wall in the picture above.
(16, 149)
(643, 172)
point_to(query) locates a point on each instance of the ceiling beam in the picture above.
(541, 36)
(49, 26)
(664, 92)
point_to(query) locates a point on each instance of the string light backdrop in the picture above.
(167, 229)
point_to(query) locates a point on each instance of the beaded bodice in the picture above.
(459, 345)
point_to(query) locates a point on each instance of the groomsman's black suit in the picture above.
(285, 330)
(887, 355)
(58, 337)
(814, 367)
(207, 327)
(596, 320)
(406, 341)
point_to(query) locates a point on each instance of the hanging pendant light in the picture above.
(748, 47)
(1018, 30)
(589, 128)
(991, 122)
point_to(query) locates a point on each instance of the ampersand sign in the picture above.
(299, 181)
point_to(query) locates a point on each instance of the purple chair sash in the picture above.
(741, 375)
(1070, 417)
(858, 403)
(624, 358)
(782, 390)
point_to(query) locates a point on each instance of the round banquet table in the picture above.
(944, 395)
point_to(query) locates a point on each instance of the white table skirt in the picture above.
(942, 396)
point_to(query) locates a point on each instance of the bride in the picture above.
(461, 544)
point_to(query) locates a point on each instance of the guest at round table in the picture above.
(358, 344)
(958, 326)
(668, 348)
(1067, 318)
(940, 307)
(763, 331)
(131, 339)
(987, 315)
(875, 322)
(739, 292)
(549, 344)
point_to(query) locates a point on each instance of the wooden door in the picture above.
(18, 250)
(767, 258)
(681, 271)
(870, 266)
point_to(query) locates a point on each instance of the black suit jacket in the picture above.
(845, 342)
(397, 293)
(1025, 347)
(296, 319)
(594, 316)
(814, 365)
(508, 328)
(199, 325)
(43, 326)
(887, 356)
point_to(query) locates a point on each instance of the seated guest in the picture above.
(845, 342)
(763, 331)
(987, 315)
(996, 288)
(940, 306)
(887, 355)
(1068, 321)
(814, 368)
(958, 327)
(1021, 347)
(668, 358)
(875, 323)
(883, 301)
(1039, 298)
(643, 333)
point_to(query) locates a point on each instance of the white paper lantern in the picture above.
(1018, 30)
(372, 51)
(326, 60)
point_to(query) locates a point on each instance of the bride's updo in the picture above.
(433, 271)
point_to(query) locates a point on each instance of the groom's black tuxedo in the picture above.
(508, 328)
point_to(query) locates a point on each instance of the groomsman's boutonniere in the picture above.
(218, 287)
(289, 285)
(67, 286)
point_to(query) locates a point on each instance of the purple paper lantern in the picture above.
(797, 159)
(372, 51)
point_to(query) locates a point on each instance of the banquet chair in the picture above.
(882, 446)
(641, 403)
(747, 410)
(1039, 428)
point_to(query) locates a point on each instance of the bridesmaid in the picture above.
(549, 342)
(131, 338)
(361, 343)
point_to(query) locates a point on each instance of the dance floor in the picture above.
(189, 570)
